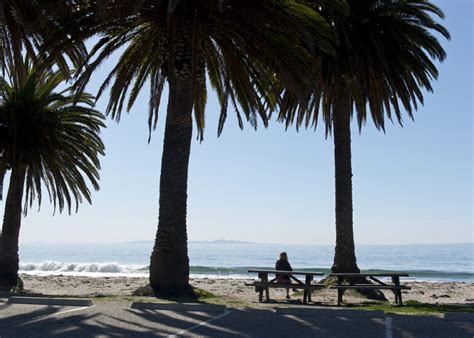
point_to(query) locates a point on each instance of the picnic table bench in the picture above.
(355, 284)
(265, 283)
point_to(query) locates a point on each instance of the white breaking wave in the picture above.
(56, 267)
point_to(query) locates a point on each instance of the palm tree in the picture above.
(24, 25)
(46, 141)
(382, 64)
(250, 50)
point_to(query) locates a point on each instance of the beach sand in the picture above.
(234, 290)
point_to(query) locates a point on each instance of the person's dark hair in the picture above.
(283, 256)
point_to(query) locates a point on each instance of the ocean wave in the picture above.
(112, 268)
(50, 266)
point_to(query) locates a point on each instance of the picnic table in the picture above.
(265, 283)
(358, 281)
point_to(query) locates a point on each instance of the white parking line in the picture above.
(72, 310)
(44, 316)
(204, 323)
(388, 327)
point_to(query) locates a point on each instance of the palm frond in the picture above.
(54, 137)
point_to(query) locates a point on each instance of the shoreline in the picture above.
(237, 276)
(234, 290)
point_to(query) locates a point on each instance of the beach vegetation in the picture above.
(49, 140)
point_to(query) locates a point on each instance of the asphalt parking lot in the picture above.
(118, 319)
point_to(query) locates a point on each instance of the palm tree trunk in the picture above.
(3, 170)
(9, 260)
(344, 258)
(169, 266)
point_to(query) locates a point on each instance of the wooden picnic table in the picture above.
(355, 283)
(265, 283)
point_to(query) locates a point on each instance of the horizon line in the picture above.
(215, 241)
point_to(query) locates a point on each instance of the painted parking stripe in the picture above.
(45, 316)
(388, 327)
(204, 323)
(72, 310)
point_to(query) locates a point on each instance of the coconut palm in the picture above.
(382, 65)
(250, 51)
(47, 141)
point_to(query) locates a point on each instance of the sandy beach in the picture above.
(234, 290)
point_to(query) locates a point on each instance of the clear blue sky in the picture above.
(411, 185)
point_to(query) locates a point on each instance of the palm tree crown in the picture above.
(55, 140)
(26, 24)
(385, 59)
(245, 47)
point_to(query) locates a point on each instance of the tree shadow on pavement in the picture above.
(112, 321)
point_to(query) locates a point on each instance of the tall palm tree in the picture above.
(250, 51)
(382, 64)
(46, 141)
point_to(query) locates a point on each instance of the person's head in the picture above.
(283, 256)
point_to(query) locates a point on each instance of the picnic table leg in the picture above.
(396, 296)
(399, 296)
(397, 292)
(340, 292)
(265, 280)
(307, 282)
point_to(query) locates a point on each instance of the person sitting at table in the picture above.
(283, 264)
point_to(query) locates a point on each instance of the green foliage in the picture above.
(385, 58)
(51, 133)
(249, 50)
(25, 25)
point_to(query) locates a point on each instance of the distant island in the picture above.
(224, 241)
(216, 241)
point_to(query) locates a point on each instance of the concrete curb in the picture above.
(49, 301)
(459, 316)
(179, 307)
(330, 312)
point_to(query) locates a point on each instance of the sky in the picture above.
(410, 185)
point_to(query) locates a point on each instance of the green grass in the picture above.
(202, 297)
(203, 294)
(414, 307)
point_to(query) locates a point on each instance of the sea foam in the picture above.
(50, 266)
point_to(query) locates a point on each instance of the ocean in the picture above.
(229, 259)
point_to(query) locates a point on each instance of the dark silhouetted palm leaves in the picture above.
(24, 25)
(46, 142)
(251, 51)
(382, 65)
